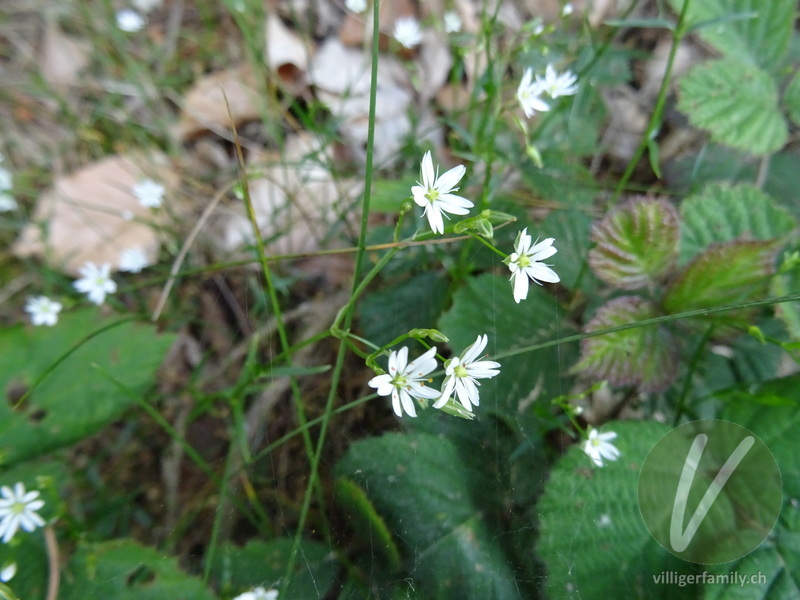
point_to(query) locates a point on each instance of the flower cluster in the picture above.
(555, 85)
(406, 381)
(18, 509)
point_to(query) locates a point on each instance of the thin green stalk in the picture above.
(693, 365)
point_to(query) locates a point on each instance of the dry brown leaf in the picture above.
(92, 215)
(286, 54)
(435, 61)
(628, 120)
(62, 57)
(204, 107)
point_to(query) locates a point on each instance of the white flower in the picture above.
(435, 193)
(133, 260)
(406, 380)
(603, 521)
(258, 593)
(463, 372)
(43, 311)
(7, 202)
(96, 282)
(7, 573)
(407, 31)
(6, 180)
(529, 95)
(130, 20)
(452, 22)
(599, 446)
(524, 263)
(558, 85)
(18, 509)
(567, 10)
(149, 193)
(356, 6)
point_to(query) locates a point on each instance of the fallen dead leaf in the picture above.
(92, 214)
(286, 54)
(62, 57)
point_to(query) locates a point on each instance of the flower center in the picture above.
(596, 442)
(432, 195)
(523, 261)
(17, 508)
(400, 381)
(460, 371)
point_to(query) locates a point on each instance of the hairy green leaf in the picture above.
(737, 103)
(721, 213)
(791, 98)
(636, 244)
(641, 356)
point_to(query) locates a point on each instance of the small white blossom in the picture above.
(566, 10)
(133, 260)
(558, 85)
(604, 521)
(149, 193)
(598, 446)
(7, 573)
(539, 29)
(7, 202)
(435, 193)
(96, 282)
(406, 380)
(18, 509)
(462, 373)
(258, 593)
(130, 20)
(529, 95)
(407, 31)
(452, 22)
(524, 263)
(356, 6)
(43, 311)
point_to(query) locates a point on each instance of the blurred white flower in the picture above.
(6, 181)
(524, 263)
(406, 380)
(43, 311)
(598, 446)
(18, 509)
(96, 282)
(149, 193)
(452, 22)
(7, 201)
(529, 95)
(129, 20)
(356, 6)
(558, 85)
(435, 195)
(407, 31)
(133, 260)
(566, 10)
(463, 372)
(7, 573)
(258, 593)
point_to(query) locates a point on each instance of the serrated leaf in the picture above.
(721, 213)
(125, 570)
(592, 538)
(80, 395)
(641, 356)
(424, 491)
(791, 98)
(737, 103)
(571, 229)
(762, 40)
(723, 275)
(636, 244)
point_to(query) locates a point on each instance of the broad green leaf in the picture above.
(111, 364)
(641, 356)
(723, 275)
(389, 194)
(762, 40)
(258, 563)
(635, 244)
(591, 536)
(737, 103)
(125, 570)
(784, 284)
(426, 494)
(721, 213)
(791, 98)
(571, 230)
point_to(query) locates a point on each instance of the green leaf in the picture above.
(736, 102)
(636, 244)
(124, 570)
(80, 395)
(761, 41)
(721, 213)
(723, 275)
(791, 98)
(571, 229)
(592, 538)
(258, 563)
(641, 356)
(422, 488)
(783, 284)
(388, 194)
